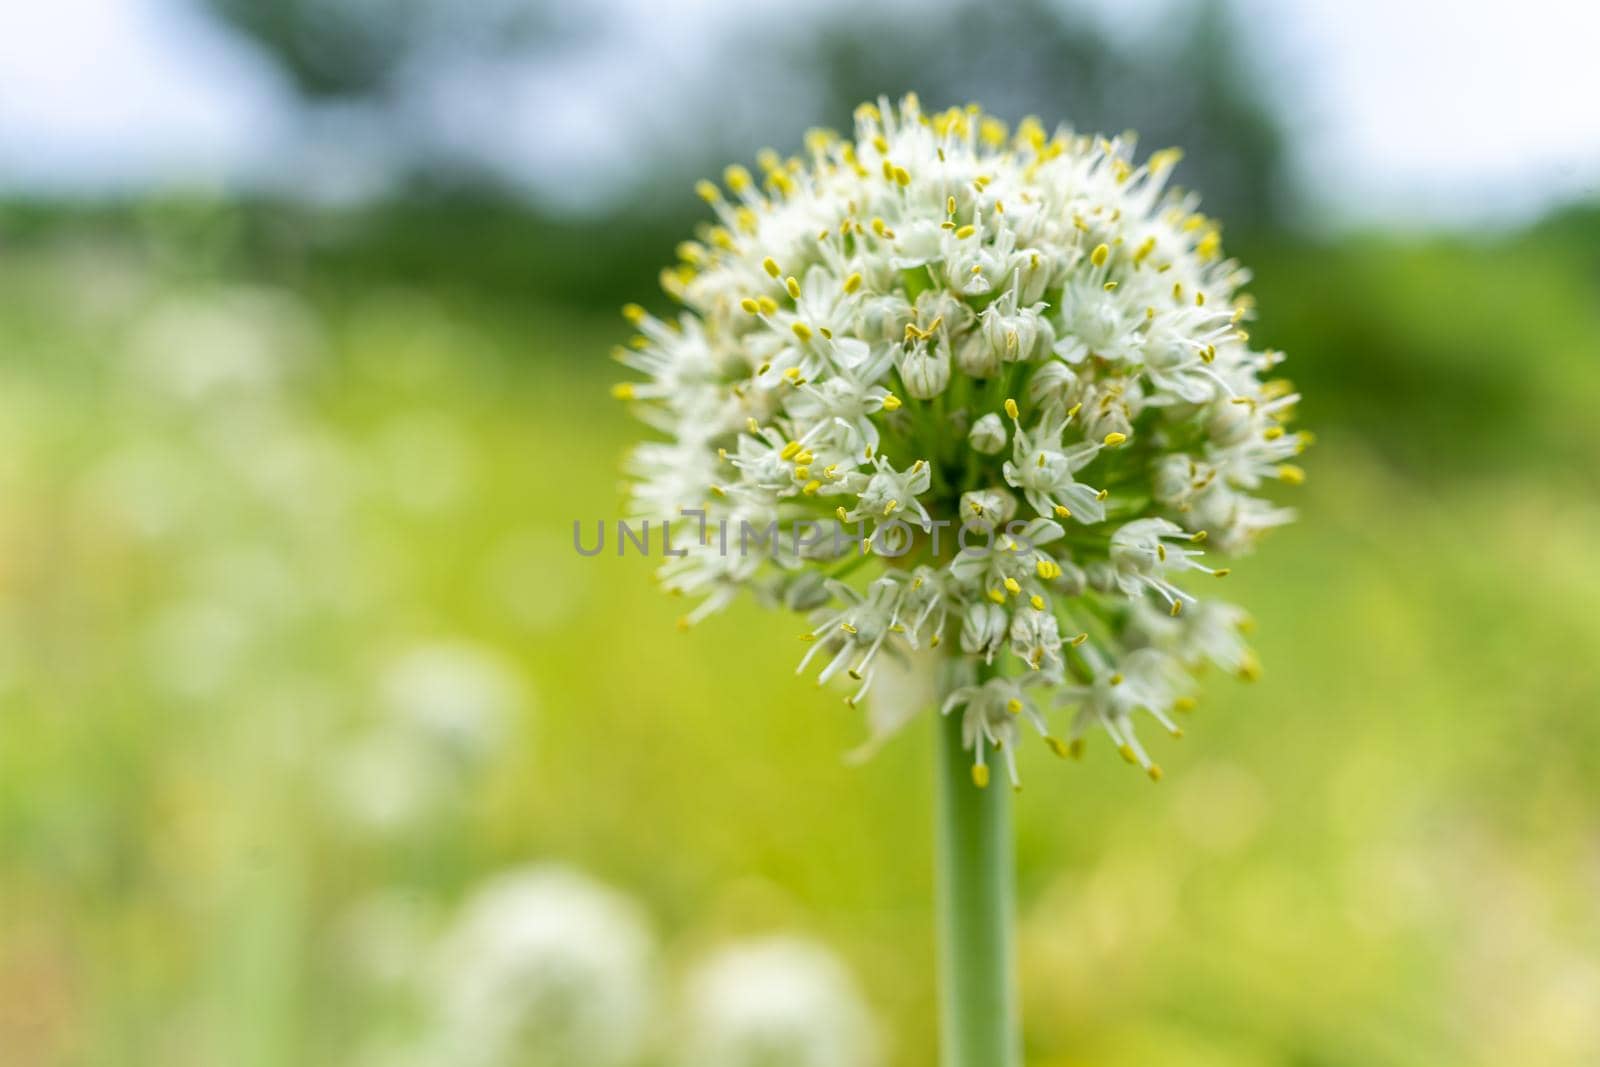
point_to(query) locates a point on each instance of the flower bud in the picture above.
(988, 435)
(925, 370)
(983, 628)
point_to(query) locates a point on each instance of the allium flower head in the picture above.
(1012, 366)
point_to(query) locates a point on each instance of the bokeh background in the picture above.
(320, 745)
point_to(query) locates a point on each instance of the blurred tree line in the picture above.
(1188, 82)
(1406, 341)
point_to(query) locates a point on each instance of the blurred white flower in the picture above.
(458, 696)
(213, 344)
(777, 1002)
(443, 709)
(387, 781)
(544, 967)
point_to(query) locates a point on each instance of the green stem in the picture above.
(980, 1023)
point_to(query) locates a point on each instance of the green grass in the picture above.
(1384, 852)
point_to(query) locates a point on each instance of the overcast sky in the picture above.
(1402, 110)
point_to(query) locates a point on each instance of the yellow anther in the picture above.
(808, 637)
(1048, 569)
(1115, 679)
(811, 487)
(1184, 705)
(1014, 706)
(751, 425)
(1037, 601)
(980, 776)
(804, 456)
(852, 283)
(1012, 586)
(736, 178)
(949, 205)
(1063, 512)
(717, 490)
(1165, 159)
(888, 509)
(1198, 537)
(802, 473)
(622, 391)
(1146, 246)
(750, 306)
(707, 191)
(801, 330)
(768, 305)
(1154, 771)
(770, 265)
(841, 513)
(1074, 409)
(847, 627)
(1126, 752)
(682, 624)
(1011, 408)
(902, 176)
(1250, 669)
(997, 595)
(1100, 254)
(790, 450)
(1289, 474)
(966, 231)
(1223, 572)
(792, 286)
(633, 313)
(1177, 608)
(891, 403)
(1113, 439)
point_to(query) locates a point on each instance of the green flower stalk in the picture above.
(948, 386)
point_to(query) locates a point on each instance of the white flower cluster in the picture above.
(543, 966)
(1011, 365)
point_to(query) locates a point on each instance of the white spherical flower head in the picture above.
(545, 967)
(973, 389)
(777, 1002)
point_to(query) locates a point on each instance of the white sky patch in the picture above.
(98, 94)
(1430, 111)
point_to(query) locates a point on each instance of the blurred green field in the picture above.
(229, 503)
